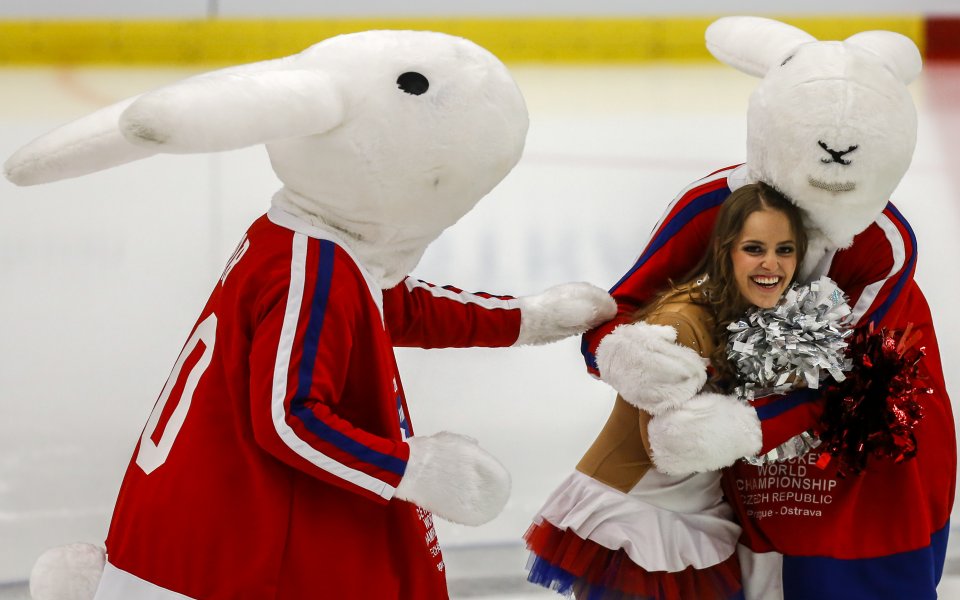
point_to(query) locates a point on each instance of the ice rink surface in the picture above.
(102, 277)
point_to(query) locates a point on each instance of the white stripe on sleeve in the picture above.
(897, 248)
(738, 173)
(288, 334)
(463, 297)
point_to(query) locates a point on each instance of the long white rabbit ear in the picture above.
(234, 108)
(86, 145)
(898, 51)
(753, 45)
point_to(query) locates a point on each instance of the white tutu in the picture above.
(654, 538)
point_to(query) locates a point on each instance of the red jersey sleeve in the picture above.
(423, 315)
(877, 267)
(301, 364)
(678, 242)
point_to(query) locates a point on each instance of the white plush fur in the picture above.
(845, 94)
(709, 432)
(648, 368)
(451, 476)
(769, 41)
(89, 144)
(819, 249)
(897, 51)
(400, 168)
(561, 311)
(70, 572)
(388, 170)
(192, 116)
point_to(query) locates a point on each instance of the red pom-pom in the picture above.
(875, 410)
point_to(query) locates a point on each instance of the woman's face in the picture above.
(764, 257)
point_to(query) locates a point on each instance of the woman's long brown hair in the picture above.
(711, 282)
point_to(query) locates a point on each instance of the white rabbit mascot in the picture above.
(832, 126)
(279, 461)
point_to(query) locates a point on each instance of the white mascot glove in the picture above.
(709, 432)
(454, 478)
(70, 572)
(648, 368)
(563, 310)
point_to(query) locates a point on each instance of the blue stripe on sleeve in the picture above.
(786, 403)
(905, 273)
(318, 310)
(914, 575)
(590, 357)
(311, 343)
(696, 206)
(680, 220)
(351, 446)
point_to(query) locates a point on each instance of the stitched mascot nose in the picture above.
(836, 155)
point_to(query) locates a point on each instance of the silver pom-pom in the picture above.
(797, 342)
(796, 446)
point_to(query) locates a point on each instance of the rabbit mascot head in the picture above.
(388, 137)
(832, 124)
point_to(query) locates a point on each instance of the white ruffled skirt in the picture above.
(668, 538)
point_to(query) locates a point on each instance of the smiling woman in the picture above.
(624, 523)
(751, 259)
(764, 257)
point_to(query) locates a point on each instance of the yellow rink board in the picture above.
(226, 41)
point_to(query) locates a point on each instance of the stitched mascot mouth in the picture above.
(846, 186)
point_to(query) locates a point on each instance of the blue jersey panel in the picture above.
(912, 575)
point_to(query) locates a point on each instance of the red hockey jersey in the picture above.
(881, 534)
(268, 466)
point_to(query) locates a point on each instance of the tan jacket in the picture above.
(620, 456)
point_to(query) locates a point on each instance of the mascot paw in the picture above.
(648, 368)
(70, 572)
(452, 477)
(709, 432)
(561, 311)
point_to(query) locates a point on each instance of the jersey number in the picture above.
(151, 455)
